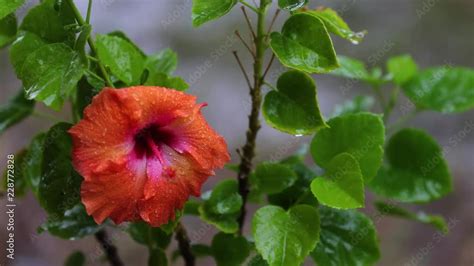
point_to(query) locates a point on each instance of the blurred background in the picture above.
(434, 32)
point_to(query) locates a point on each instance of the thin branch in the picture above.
(184, 245)
(81, 22)
(245, 44)
(89, 9)
(109, 249)
(248, 150)
(269, 85)
(277, 12)
(242, 68)
(268, 66)
(249, 6)
(249, 23)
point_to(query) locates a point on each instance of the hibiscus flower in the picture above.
(142, 151)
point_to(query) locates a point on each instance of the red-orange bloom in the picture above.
(142, 152)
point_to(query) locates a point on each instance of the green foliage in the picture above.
(124, 36)
(351, 68)
(361, 135)
(121, 57)
(207, 10)
(285, 237)
(165, 62)
(17, 109)
(222, 205)
(8, 29)
(73, 224)
(76, 258)
(358, 104)
(304, 44)
(354, 69)
(416, 170)
(436, 221)
(157, 258)
(257, 261)
(50, 74)
(49, 21)
(230, 250)
(299, 192)
(293, 107)
(9, 6)
(33, 162)
(60, 184)
(271, 178)
(402, 68)
(342, 185)
(163, 80)
(292, 5)
(152, 237)
(347, 238)
(25, 44)
(335, 24)
(444, 89)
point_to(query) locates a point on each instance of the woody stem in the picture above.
(184, 245)
(248, 150)
(109, 249)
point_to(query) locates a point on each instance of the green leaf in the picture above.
(48, 20)
(351, 68)
(122, 35)
(9, 6)
(347, 238)
(157, 257)
(74, 224)
(165, 61)
(15, 178)
(76, 258)
(163, 80)
(17, 109)
(257, 261)
(335, 24)
(271, 178)
(390, 209)
(191, 207)
(292, 5)
(285, 237)
(25, 44)
(123, 59)
(342, 185)
(443, 89)
(402, 68)
(8, 29)
(81, 43)
(207, 10)
(50, 74)
(84, 94)
(361, 135)
(293, 108)
(298, 191)
(222, 205)
(304, 44)
(358, 104)
(152, 237)
(59, 188)
(33, 163)
(230, 250)
(416, 170)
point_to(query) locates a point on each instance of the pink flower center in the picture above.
(149, 141)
